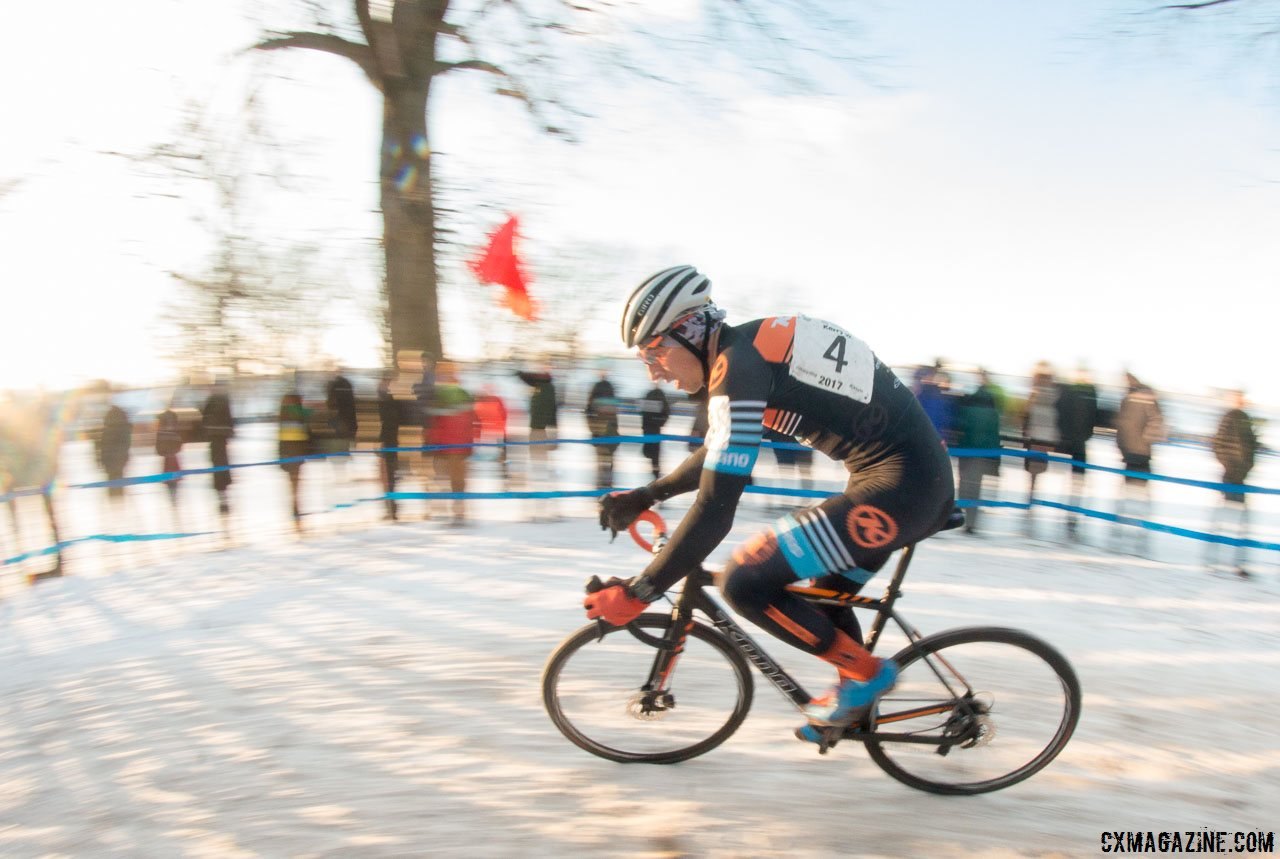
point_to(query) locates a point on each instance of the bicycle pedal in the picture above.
(824, 736)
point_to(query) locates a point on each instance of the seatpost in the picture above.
(891, 594)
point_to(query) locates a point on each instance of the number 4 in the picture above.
(836, 353)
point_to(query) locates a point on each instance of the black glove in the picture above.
(619, 509)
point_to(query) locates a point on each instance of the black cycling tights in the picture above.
(757, 591)
(841, 535)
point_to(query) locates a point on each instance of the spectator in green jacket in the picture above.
(543, 409)
(977, 426)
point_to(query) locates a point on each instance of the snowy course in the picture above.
(372, 689)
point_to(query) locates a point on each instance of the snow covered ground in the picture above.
(372, 689)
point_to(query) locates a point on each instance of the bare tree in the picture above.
(528, 48)
(250, 301)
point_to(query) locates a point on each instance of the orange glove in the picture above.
(614, 604)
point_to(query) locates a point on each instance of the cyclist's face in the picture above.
(671, 362)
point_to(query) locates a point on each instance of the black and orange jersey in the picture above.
(815, 382)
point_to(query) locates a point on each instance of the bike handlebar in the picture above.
(659, 531)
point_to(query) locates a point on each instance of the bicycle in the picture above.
(613, 692)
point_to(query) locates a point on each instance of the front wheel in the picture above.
(975, 710)
(638, 694)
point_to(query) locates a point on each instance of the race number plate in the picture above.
(828, 357)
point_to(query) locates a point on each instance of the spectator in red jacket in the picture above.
(451, 420)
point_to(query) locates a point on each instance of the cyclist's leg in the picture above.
(755, 584)
(807, 544)
(851, 534)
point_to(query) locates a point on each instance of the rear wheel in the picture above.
(987, 707)
(597, 691)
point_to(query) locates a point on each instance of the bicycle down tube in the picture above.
(695, 597)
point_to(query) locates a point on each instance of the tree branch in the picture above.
(477, 65)
(1203, 5)
(359, 54)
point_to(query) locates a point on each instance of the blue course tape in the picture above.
(992, 453)
(1157, 526)
(489, 496)
(23, 493)
(987, 453)
(109, 538)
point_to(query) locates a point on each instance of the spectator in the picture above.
(543, 409)
(933, 396)
(491, 412)
(1235, 444)
(1039, 428)
(424, 388)
(602, 422)
(340, 400)
(655, 410)
(388, 439)
(415, 377)
(934, 374)
(997, 392)
(168, 445)
(336, 434)
(977, 427)
(451, 421)
(31, 438)
(1077, 418)
(113, 445)
(295, 443)
(217, 427)
(1139, 425)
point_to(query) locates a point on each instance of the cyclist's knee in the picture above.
(755, 574)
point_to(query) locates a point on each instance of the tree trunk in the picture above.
(409, 219)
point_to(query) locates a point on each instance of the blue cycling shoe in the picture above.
(810, 734)
(849, 702)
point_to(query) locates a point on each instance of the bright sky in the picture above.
(1018, 186)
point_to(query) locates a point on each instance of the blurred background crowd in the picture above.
(433, 424)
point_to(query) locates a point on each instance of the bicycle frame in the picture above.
(937, 709)
(697, 597)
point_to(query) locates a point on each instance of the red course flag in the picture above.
(499, 264)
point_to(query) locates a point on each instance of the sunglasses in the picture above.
(647, 351)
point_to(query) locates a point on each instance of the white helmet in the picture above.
(661, 301)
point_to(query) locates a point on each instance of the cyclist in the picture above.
(817, 383)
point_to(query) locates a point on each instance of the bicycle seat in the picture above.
(955, 520)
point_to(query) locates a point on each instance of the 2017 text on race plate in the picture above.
(1188, 841)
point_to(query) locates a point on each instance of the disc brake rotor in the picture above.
(648, 706)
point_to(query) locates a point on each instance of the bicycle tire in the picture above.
(597, 710)
(1036, 682)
